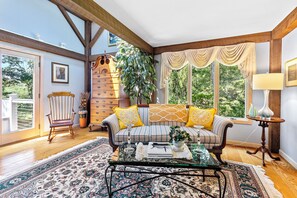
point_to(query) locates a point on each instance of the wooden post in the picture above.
(88, 37)
(275, 96)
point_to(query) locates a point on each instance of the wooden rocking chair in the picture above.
(61, 112)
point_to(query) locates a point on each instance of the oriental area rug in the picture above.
(79, 172)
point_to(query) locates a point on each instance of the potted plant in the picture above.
(178, 137)
(137, 72)
(83, 113)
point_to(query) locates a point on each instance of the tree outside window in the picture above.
(216, 85)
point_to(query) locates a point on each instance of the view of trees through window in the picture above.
(232, 92)
(17, 76)
(177, 86)
(203, 87)
(231, 89)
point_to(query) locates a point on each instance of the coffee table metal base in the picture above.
(187, 172)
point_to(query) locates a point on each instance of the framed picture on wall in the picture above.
(291, 72)
(60, 73)
(112, 39)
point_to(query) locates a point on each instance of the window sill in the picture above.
(241, 121)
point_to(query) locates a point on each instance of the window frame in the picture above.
(248, 93)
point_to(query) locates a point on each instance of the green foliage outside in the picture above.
(17, 77)
(137, 71)
(177, 86)
(232, 92)
(231, 89)
(202, 87)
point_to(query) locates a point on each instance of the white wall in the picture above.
(239, 132)
(288, 136)
(28, 18)
(76, 79)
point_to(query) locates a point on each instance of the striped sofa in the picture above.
(214, 140)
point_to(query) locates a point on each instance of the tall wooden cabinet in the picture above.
(106, 93)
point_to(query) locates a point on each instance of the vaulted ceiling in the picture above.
(168, 22)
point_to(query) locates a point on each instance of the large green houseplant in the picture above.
(137, 72)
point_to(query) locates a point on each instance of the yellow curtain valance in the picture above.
(243, 55)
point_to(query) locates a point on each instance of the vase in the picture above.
(178, 146)
(253, 112)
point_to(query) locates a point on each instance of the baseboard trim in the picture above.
(243, 144)
(288, 158)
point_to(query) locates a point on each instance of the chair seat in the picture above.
(58, 123)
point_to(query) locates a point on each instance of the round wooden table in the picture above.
(264, 123)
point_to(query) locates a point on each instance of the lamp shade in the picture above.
(270, 81)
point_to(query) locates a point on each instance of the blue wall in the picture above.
(42, 17)
(288, 137)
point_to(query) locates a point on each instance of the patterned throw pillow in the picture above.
(168, 113)
(128, 115)
(202, 117)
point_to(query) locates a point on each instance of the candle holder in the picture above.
(129, 149)
(197, 148)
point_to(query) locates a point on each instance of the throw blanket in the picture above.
(168, 112)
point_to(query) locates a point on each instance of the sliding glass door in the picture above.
(19, 102)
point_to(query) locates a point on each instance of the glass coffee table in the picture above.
(201, 161)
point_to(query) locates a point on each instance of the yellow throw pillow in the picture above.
(202, 117)
(128, 115)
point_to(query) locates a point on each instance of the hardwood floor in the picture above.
(24, 154)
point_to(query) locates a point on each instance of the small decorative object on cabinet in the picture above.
(106, 92)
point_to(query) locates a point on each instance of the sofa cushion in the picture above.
(159, 133)
(206, 137)
(202, 117)
(168, 112)
(138, 134)
(128, 115)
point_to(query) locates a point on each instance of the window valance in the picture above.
(243, 55)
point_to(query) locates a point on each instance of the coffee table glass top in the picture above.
(201, 159)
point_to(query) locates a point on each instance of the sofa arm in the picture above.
(112, 124)
(220, 127)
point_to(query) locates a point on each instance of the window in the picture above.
(216, 85)
(177, 85)
(203, 87)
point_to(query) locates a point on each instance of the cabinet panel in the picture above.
(104, 101)
(106, 94)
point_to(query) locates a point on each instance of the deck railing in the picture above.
(18, 113)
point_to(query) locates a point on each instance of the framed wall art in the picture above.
(112, 39)
(60, 73)
(291, 72)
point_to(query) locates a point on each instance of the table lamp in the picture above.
(267, 82)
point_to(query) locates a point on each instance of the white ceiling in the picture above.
(167, 22)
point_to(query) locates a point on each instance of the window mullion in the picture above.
(189, 94)
(216, 84)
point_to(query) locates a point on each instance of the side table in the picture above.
(264, 123)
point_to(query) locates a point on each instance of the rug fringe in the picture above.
(267, 182)
(2, 177)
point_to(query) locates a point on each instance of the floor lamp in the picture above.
(267, 82)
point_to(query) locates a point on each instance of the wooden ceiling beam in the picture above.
(95, 13)
(34, 44)
(285, 26)
(97, 35)
(70, 11)
(72, 25)
(257, 38)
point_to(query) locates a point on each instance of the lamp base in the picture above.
(265, 112)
